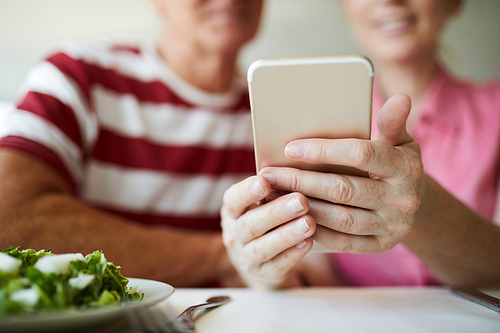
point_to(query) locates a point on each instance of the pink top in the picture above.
(458, 130)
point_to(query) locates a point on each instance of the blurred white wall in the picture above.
(29, 29)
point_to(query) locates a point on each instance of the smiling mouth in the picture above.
(396, 25)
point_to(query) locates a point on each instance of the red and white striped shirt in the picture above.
(131, 137)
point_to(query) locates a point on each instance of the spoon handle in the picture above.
(192, 310)
(185, 319)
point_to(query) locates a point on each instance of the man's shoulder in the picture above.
(101, 54)
(120, 68)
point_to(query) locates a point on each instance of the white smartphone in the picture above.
(309, 97)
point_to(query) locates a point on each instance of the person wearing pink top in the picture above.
(425, 214)
(458, 131)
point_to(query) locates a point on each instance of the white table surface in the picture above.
(336, 310)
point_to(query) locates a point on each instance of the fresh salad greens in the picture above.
(40, 281)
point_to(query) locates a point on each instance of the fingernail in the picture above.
(293, 206)
(295, 150)
(256, 188)
(300, 227)
(271, 177)
(301, 244)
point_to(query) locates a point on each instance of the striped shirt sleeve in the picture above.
(53, 120)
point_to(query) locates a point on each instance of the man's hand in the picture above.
(355, 214)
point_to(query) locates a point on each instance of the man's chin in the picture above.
(231, 41)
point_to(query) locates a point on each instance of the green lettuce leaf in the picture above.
(55, 293)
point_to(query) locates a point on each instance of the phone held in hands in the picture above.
(309, 97)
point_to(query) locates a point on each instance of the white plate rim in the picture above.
(154, 292)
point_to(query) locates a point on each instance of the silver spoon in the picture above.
(185, 320)
(155, 319)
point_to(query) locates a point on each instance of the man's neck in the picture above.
(209, 71)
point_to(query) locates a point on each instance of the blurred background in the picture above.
(30, 29)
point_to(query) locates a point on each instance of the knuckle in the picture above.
(369, 226)
(280, 266)
(225, 196)
(282, 239)
(365, 153)
(373, 226)
(366, 227)
(276, 266)
(227, 208)
(342, 191)
(413, 204)
(245, 226)
(226, 219)
(225, 200)
(410, 204)
(386, 244)
(417, 166)
(274, 215)
(228, 240)
(398, 232)
(223, 216)
(342, 244)
(243, 263)
(290, 258)
(295, 183)
(404, 229)
(346, 221)
(255, 253)
(413, 167)
(323, 152)
(362, 249)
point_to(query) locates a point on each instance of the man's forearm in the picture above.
(458, 245)
(64, 224)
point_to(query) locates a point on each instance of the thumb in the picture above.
(391, 121)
